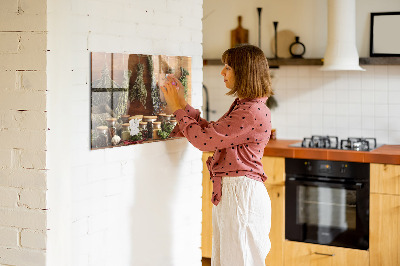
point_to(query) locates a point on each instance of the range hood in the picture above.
(341, 51)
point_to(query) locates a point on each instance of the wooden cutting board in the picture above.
(239, 35)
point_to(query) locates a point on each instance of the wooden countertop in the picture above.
(389, 154)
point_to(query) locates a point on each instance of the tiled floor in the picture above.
(206, 261)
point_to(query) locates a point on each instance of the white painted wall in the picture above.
(311, 102)
(343, 104)
(136, 205)
(23, 133)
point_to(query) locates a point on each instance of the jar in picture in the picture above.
(112, 126)
(143, 129)
(102, 137)
(140, 117)
(125, 134)
(173, 122)
(156, 129)
(149, 118)
(160, 117)
(149, 130)
(142, 126)
(125, 118)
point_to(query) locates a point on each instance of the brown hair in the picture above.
(250, 66)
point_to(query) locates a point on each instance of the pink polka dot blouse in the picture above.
(238, 139)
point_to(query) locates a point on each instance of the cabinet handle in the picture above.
(324, 254)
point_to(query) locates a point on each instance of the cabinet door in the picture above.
(304, 254)
(384, 230)
(274, 168)
(206, 232)
(385, 178)
(277, 233)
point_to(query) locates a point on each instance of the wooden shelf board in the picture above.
(380, 61)
(273, 62)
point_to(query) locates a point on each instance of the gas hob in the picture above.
(332, 142)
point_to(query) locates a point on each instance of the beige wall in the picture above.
(23, 126)
(305, 18)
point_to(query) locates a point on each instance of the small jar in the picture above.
(156, 125)
(112, 126)
(149, 130)
(102, 137)
(142, 126)
(160, 117)
(156, 129)
(149, 118)
(174, 122)
(165, 118)
(126, 133)
(125, 118)
(140, 117)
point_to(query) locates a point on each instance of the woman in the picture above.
(242, 211)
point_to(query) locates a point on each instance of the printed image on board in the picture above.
(127, 104)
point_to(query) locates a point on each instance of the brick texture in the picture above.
(9, 237)
(23, 125)
(33, 239)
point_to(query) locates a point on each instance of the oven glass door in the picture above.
(327, 207)
(326, 213)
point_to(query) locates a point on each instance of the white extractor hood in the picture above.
(341, 51)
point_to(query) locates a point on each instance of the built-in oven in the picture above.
(327, 202)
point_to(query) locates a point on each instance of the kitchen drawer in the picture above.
(305, 254)
(274, 168)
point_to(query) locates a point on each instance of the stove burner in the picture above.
(332, 142)
(328, 142)
(358, 144)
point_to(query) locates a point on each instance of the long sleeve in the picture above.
(230, 131)
(193, 113)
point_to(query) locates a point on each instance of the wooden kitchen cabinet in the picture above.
(305, 254)
(385, 178)
(385, 215)
(384, 236)
(206, 225)
(274, 168)
(277, 233)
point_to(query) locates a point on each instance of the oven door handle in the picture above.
(352, 185)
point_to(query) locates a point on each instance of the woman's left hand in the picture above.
(170, 91)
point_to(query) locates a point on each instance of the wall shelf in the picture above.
(274, 63)
(380, 61)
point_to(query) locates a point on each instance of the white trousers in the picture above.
(241, 223)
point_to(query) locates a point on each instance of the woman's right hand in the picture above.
(181, 91)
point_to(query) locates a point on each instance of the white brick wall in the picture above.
(136, 205)
(34, 239)
(23, 132)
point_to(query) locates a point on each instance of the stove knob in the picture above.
(308, 166)
(343, 168)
